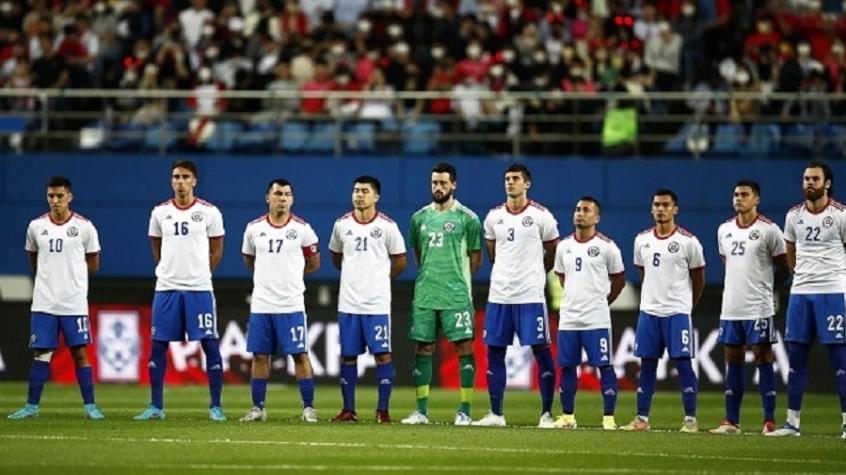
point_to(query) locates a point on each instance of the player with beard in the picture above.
(815, 234)
(447, 240)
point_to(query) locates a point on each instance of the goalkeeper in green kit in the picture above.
(446, 237)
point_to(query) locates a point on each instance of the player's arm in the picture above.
(639, 272)
(697, 279)
(33, 261)
(337, 259)
(215, 252)
(782, 268)
(249, 261)
(156, 244)
(560, 279)
(549, 254)
(312, 263)
(490, 245)
(791, 255)
(398, 264)
(92, 261)
(618, 281)
(475, 260)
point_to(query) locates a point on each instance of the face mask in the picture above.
(837, 49)
(438, 52)
(567, 53)
(130, 76)
(338, 49)
(394, 31)
(497, 70)
(688, 10)
(539, 57)
(142, 53)
(364, 26)
(401, 48)
(540, 81)
(473, 51)
(764, 27)
(343, 80)
(556, 8)
(151, 70)
(804, 49)
(208, 31)
(601, 55)
(100, 8)
(576, 73)
(508, 55)
(742, 78)
(212, 53)
(437, 12)
(205, 75)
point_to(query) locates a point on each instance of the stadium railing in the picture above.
(698, 124)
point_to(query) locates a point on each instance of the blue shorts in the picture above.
(528, 320)
(816, 316)
(269, 332)
(45, 329)
(360, 331)
(760, 331)
(177, 312)
(597, 345)
(673, 333)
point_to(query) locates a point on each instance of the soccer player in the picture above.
(815, 231)
(280, 248)
(589, 266)
(63, 251)
(752, 248)
(446, 238)
(186, 234)
(672, 268)
(520, 236)
(369, 250)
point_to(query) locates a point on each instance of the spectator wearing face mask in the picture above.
(474, 64)
(662, 56)
(192, 21)
(764, 35)
(744, 110)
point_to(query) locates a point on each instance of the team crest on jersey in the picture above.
(291, 234)
(828, 222)
(754, 235)
(376, 233)
(593, 251)
(673, 247)
(73, 231)
(449, 226)
(196, 216)
(528, 221)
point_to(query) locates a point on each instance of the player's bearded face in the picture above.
(442, 187)
(813, 184)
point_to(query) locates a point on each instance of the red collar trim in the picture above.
(267, 216)
(655, 233)
(737, 221)
(576, 237)
(528, 203)
(186, 207)
(827, 203)
(58, 223)
(365, 222)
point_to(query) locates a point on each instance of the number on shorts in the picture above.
(82, 325)
(540, 324)
(205, 320)
(603, 345)
(462, 320)
(761, 324)
(436, 239)
(381, 332)
(298, 331)
(685, 337)
(835, 323)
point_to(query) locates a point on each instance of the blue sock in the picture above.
(349, 376)
(767, 386)
(568, 385)
(546, 378)
(214, 369)
(646, 385)
(687, 380)
(39, 373)
(307, 391)
(385, 379)
(797, 378)
(837, 356)
(608, 378)
(85, 378)
(157, 367)
(258, 389)
(496, 377)
(735, 379)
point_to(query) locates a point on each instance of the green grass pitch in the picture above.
(61, 441)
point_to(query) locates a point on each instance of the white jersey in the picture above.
(185, 234)
(61, 277)
(586, 267)
(820, 257)
(667, 288)
(518, 275)
(280, 253)
(367, 248)
(748, 253)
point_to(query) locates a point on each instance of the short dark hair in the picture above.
(186, 164)
(666, 192)
(828, 174)
(519, 168)
(57, 181)
(281, 182)
(369, 180)
(444, 167)
(756, 188)
(594, 201)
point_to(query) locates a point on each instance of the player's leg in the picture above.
(75, 330)
(459, 327)
(261, 342)
(377, 335)
(830, 310)
(837, 357)
(597, 344)
(167, 326)
(305, 380)
(423, 332)
(352, 345)
(498, 335)
(764, 359)
(291, 332)
(44, 331)
(799, 335)
(532, 327)
(569, 359)
(678, 333)
(201, 324)
(649, 347)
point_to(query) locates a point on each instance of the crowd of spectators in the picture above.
(584, 46)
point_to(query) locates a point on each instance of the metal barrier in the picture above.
(747, 124)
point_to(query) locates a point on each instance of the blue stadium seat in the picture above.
(833, 140)
(728, 139)
(224, 136)
(322, 137)
(360, 137)
(798, 139)
(764, 140)
(157, 134)
(678, 143)
(420, 137)
(294, 136)
(260, 136)
(127, 136)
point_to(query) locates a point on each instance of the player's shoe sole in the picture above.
(769, 426)
(490, 420)
(255, 415)
(152, 413)
(93, 412)
(638, 424)
(786, 430)
(415, 418)
(726, 427)
(565, 421)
